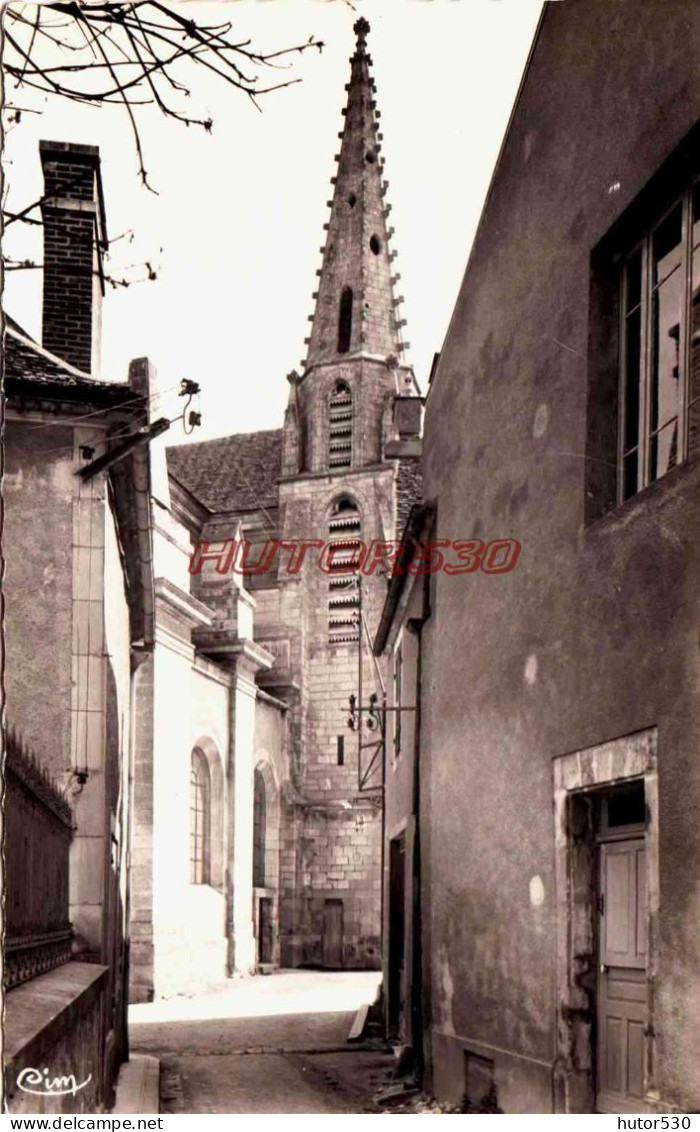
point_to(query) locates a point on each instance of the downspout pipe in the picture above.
(416, 626)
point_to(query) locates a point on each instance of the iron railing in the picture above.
(38, 832)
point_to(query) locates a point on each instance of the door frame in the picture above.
(396, 983)
(578, 777)
(265, 902)
(338, 906)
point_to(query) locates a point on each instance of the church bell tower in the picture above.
(349, 409)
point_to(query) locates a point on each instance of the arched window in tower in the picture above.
(345, 321)
(345, 536)
(258, 831)
(340, 426)
(200, 819)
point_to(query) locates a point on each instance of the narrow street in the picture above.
(270, 1044)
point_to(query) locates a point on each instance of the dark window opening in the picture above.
(352, 200)
(370, 157)
(259, 831)
(345, 321)
(625, 806)
(375, 244)
(341, 750)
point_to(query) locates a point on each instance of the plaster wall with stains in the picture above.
(594, 634)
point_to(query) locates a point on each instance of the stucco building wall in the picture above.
(189, 923)
(189, 931)
(401, 948)
(592, 637)
(37, 537)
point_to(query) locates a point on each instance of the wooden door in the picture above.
(397, 931)
(622, 986)
(333, 934)
(265, 930)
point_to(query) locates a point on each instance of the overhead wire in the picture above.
(261, 507)
(96, 412)
(100, 436)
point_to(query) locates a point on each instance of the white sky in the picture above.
(239, 214)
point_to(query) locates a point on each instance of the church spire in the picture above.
(356, 313)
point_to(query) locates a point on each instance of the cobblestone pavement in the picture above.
(270, 1044)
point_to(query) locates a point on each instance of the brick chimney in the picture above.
(75, 240)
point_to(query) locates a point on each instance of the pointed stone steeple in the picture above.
(356, 313)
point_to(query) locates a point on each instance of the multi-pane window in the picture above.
(660, 347)
(200, 818)
(345, 538)
(340, 427)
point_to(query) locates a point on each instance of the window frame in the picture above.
(644, 243)
(200, 779)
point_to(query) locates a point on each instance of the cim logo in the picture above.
(40, 1084)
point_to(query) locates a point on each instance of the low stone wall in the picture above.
(53, 1025)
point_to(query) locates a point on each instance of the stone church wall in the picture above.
(340, 862)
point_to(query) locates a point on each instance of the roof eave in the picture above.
(419, 520)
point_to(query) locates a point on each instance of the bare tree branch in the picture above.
(142, 46)
(131, 54)
(149, 272)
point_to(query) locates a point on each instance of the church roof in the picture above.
(233, 473)
(409, 491)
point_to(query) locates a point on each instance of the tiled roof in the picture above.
(25, 360)
(234, 473)
(409, 490)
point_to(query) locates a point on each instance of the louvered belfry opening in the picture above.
(345, 536)
(340, 427)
